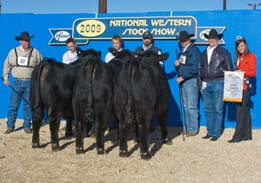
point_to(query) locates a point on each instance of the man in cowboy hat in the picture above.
(214, 61)
(148, 45)
(21, 60)
(187, 68)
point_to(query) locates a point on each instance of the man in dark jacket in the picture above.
(148, 45)
(214, 61)
(187, 68)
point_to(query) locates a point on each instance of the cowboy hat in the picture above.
(213, 35)
(24, 36)
(184, 36)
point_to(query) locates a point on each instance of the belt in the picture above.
(211, 80)
(22, 78)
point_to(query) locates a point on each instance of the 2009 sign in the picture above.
(90, 28)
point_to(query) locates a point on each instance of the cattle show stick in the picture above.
(182, 113)
(181, 107)
(24, 99)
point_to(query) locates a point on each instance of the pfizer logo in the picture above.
(62, 36)
(201, 35)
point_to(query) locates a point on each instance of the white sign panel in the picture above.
(233, 86)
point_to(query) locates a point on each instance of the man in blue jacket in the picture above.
(187, 68)
(214, 61)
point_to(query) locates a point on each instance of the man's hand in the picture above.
(177, 63)
(180, 80)
(6, 82)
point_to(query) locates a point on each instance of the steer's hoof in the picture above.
(167, 141)
(123, 153)
(91, 135)
(145, 156)
(35, 145)
(68, 135)
(55, 147)
(79, 150)
(100, 151)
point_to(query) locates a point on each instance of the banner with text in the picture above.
(85, 29)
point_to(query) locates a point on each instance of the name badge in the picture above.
(182, 59)
(22, 61)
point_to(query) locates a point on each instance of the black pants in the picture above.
(244, 127)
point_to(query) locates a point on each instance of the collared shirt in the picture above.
(184, 49)
(70, 57)
(23, 50)
(210, 52)
(145, 48)
(109, 56)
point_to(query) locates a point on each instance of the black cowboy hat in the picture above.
(213, 35)
(147, 35)
(24, 36)
(184, 36)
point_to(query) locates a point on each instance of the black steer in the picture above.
(141, 94)
(92, 101)
(52, 88)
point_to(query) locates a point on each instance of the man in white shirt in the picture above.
(117, 45)
(73, 52)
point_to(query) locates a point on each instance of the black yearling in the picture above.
(52, 88)
(147, 89)
(92, 101)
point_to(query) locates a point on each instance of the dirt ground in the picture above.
(195, 160)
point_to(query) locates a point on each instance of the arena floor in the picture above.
(195, 160)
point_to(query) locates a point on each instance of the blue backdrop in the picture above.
(246, 23)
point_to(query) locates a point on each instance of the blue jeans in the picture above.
(23, 88)
(213, 107)
(190, 94)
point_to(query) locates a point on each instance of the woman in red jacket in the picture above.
(245, 62)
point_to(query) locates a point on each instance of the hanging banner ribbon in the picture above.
(233, 86)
